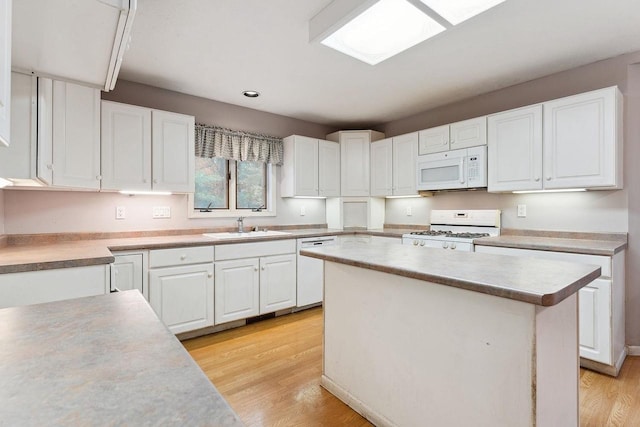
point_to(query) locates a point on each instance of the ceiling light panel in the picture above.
(460, 10)
(385, 29)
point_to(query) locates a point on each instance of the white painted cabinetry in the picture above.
(145, 149)
(354, 160)
(254, 278)
(76, 136)
(5, 72)
(572, 142)
(311, 168)
(393, 163)
(582, 140)
(181, 282)
(515, 150)
(601, 306)
(463, 134)
(129, 271)
(35, 287)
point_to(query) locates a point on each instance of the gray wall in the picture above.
(1, 212)
(590, 211)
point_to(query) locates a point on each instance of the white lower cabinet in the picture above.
(254, 278)
(129, 271)
(181, 287)
(36, 287)
(237, 293)
(601, 306)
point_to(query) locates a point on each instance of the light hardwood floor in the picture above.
(269, 372)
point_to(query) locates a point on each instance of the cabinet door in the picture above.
(515, 150)
(76, 136)
(127, 273)
(126, 147)
(582, 141)
(237, 294)
(382, 167)
(469, 133)
(354, 161)
(277, 283)
(182, 297)
(595, 321)
(173, 151)
(328, 169)
(5, 72)
(44, 161)
(306, 166)
(405, 151)
(433, 140)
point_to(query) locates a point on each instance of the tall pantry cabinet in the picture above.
(5, 72)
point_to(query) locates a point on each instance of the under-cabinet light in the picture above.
(146, 193)
(413, 196)
(309, 197)
(5, 183)
(564, 190)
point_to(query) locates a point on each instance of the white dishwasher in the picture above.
(311, 271)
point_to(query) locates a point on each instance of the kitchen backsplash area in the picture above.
(34, 212)
(591, 211)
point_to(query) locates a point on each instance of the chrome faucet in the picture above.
(240, 224)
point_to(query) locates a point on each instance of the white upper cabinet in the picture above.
(5, 72)
(393, 163)
(145, 149)
(126, 147)
(583, 140)
(464, 134)
(328, 168)
(354, 160)
(572, 142)
(311, 167)
(515, 150)
(173, 153)
(76, 136)
(405, 151)
(382, 168)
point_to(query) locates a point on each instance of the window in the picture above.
(229, 188)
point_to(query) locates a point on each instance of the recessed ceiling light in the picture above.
(251, 93)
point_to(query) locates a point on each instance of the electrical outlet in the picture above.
(303, 210)
(408, 211)
(121, 212)
(161, 212)
(522, 211)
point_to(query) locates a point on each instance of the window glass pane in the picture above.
(251, 185)
(211, 183)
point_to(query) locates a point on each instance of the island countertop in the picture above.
(104, 360)
(535, 281)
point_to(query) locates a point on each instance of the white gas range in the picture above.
(455, 230)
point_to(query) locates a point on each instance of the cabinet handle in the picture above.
(263, 268)
(155, 181)
(183, 257)
(255, 268)
(548, 178)
(1, 104)
(452, 142)
(50, 166)
(144, 181)
(210, 275)
(445, 143)
(536, 179)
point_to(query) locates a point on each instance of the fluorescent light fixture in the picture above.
(403, 197)
(145, 193)
(456, 11)
(309, 197)
(5, 183)
(383, 30)
(564, 190)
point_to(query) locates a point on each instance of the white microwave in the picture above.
(455, 169)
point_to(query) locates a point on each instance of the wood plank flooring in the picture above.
(269, 372)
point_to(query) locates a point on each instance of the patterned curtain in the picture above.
(213, 141)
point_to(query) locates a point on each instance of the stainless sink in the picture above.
(246, 235)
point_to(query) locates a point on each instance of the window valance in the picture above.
(214, 141)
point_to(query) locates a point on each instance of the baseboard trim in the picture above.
(374, 417)
(633, 350)
(612, 370)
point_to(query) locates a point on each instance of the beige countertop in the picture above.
(104, 360)
(534, 281)
(580, 246)
(44, 256)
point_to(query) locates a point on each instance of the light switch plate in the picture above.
(408, 211)
(161, 212)
(303, 210)
(121, 212)
(522, 211)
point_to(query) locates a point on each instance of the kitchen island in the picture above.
(103, 360)
(432, 337)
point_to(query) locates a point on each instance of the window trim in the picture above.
(270, 211)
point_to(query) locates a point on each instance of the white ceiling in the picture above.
(217, 49)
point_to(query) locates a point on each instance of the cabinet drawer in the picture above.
(604, 262)
(255, 249)
(180, 256)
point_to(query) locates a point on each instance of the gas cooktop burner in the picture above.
(450, 234)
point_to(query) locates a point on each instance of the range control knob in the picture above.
(415, 243)
(453, 246)
(445, 245)
(422, 243)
